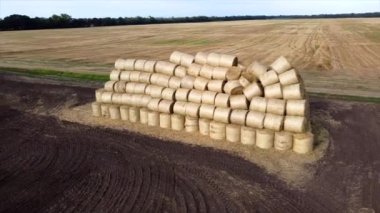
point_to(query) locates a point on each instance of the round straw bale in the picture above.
(247, 135)
(166, 106)
(139, 64)
(222, 100)
(105, 110)
(293, 91)
(107, 97)
(154, 78)
(117, 98)
(109, 85)
(126, 99)
(257, 69)
(165, 67)
(219, 73)
(264, 138)
(187, 59)
(222, 114)
(192, 109)
(96, 109)
(177, 122)
(143, 116)
(217, 130)
(252, 90)
(134, 114)
(283, 140)
(180, 71)
(200, 83)
(115, 75)
(130, 87)
(206, 71)
(139, 88)
(153, 118)
(180, 107)
(194, 69)
(289, 77)
(281, 65)
(295, 123)
(208, 97)
(195, 96)
(153, 104)
(174, 82)
(119, 64)
(124, 113)
(258, 104)
(163, 80)
(269, 78)
(114, 112)
(274, 122)
(188, 82)
(136, 99)
(249, 76)
(213, 59)
(273, 91)
(206, 111)
(191, 124)
(204, 126)
(119, 86)
(233, 87)
(303, 143)
(124, 75)
(145, 77)
(297, 107)
(155, 91)
(165, 120)
(150, 66)
(216, 85)
(244, 82)
(129, 64)
(134, 76)
(201, 58)
(98, 94)
(145, 100)
(228, 60)
(234, 73)
(238, 116)
(168, 94)
(233, 133)
(182, 94)
(255, 119)
(238, 102)
(276, 106)
(175, 57)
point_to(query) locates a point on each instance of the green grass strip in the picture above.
(105, 77)
(55, 73)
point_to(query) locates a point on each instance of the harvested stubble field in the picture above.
(52, 160)
(336, 56)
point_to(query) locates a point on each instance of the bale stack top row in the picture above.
(212, 93)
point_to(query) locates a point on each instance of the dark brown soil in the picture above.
(49, 165)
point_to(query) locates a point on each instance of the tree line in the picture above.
(23, 22)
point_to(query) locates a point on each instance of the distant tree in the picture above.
(22, 22)
(16, 22)
(60, 21)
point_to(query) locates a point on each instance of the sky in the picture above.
(169, 8)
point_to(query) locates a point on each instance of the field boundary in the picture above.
(104, 77)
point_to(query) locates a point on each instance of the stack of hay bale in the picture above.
(214, 95)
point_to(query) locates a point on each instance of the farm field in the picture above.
(56, 157)
(51, 164)
(336, 56)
